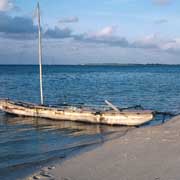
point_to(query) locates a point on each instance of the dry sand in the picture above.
(151, 153)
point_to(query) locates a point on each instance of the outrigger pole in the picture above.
(40, 53)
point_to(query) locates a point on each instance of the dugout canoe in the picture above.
(109, 117)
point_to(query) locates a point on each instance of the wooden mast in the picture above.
(40, 53)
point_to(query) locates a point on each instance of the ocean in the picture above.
(30, 142)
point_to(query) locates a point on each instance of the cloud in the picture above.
(162, 2)
(24, 28)
(161, 21)
(155, 42)
(111, 40)
(72, 19)
(104, 36)
(16, 24)
(6, 5)
(57, 33)
(151, 42)
(14, 27)
(62, 52)
(107, 31)
(172, 46)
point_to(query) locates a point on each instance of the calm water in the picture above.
(26, 140)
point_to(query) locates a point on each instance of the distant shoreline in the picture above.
(98, 64)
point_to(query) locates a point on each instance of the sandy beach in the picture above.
(150, 153)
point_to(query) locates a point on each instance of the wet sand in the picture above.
(150, 153)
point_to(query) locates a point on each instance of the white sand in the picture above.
(151, 153)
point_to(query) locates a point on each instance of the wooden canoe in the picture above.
(109, 117)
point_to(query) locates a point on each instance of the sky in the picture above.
(96, 31)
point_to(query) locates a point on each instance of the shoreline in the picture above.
(143, 154)
(87, 137)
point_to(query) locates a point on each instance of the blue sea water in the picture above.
(26, 141)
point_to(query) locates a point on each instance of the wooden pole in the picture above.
(112, 106)
(40, 53)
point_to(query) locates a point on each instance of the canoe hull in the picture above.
(129, 118)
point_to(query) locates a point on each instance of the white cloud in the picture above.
(6, 5)
(171, 45)
(155, 41)
(151, 40)
(107, 31)
(23, 28)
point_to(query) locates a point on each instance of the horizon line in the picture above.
(94, 64)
